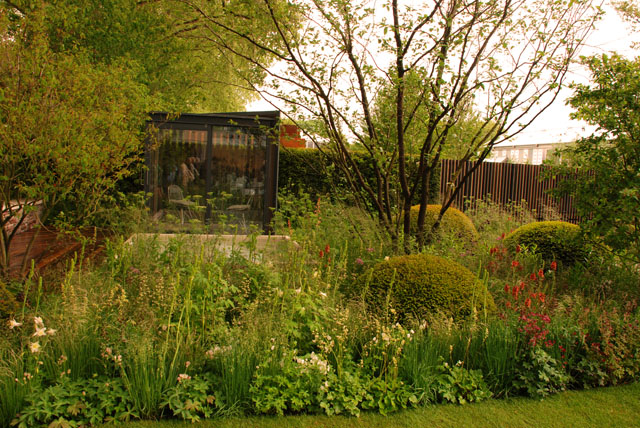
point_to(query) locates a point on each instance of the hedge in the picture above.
(310, 171)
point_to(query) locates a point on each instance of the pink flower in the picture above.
(359, 261)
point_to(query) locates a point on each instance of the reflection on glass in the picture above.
(220, 184)
(237, 171)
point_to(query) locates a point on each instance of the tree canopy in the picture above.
(504, 59)
(165, 43)
(602, 171)
(69, 128)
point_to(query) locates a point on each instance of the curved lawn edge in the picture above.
(601, 407)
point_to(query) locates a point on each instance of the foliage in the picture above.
(602, 169)
(162, 42)
(191, 398)
(539, 374)
(65, 142)
(599, 346)
(415, 286)
(190, 331)
(553, 240)
(313, 172)
(512, 55)
(456, 384)
(454, 222)
(78, 403)
(8, 303)
(294, 388)
(467, 125)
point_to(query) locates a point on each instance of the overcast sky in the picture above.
(554, 125)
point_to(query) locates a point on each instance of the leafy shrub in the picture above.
(77, 403)
(539, 374)
(292, 389)
(191, 398)
(312, 172)
(456, 384)
(454, 222)
(553, 240)
(420, 285)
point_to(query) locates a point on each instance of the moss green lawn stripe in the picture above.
(603, 407)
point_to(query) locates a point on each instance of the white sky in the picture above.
(554, 125)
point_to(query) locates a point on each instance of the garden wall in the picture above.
(504, 183)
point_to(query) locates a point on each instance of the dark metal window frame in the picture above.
(268, 121)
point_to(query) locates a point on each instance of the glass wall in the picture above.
(214, 170)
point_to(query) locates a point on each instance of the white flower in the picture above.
(40, 332)
(323, 294)
(38, 322)
(13, 323)
(34, 347)
(386, 258)
(51, 331)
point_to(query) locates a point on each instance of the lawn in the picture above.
(603, 407)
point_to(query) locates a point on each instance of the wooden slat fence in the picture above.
(505, 184)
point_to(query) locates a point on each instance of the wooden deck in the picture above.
(50, 246)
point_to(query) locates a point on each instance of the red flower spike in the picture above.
(521, 285)
(541, 297)
(506, 288)
(541, 274)
(527, 302)
(553, 266)
(515, 264)
(533, 276)
(517, 249)
(321, 254)
(327, 249)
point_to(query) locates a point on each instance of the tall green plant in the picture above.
(601, 171)
(70, 129)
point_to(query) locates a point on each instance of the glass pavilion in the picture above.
(218, 169)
